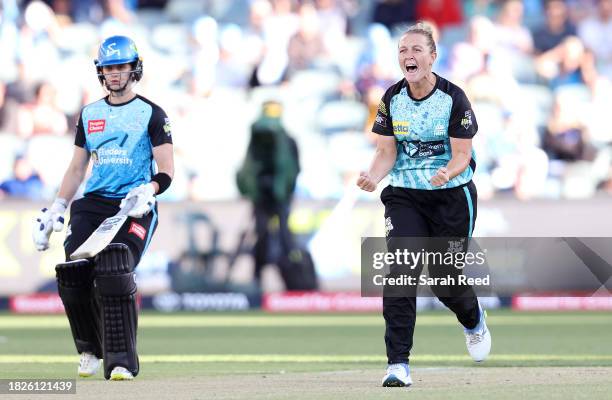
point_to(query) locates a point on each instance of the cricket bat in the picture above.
(104, 234)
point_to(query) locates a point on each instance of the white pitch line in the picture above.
(301, 358)
(168, 321)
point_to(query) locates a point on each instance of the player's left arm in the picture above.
(160, 134)
(164, 158)
(461, 154)
(461, 129)
(161, 140)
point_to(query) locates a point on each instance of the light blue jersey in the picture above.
(422, 129)
(120, 139)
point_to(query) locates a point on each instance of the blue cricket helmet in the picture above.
(118, 50)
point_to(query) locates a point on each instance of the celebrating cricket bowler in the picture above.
(129, 141)
(425, 126)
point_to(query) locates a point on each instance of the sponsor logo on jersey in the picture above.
(138, 230)
(381, 120)
(439, 128)
(401, 127)
(466, 121)
(94, 157)
(110, 156)
(167, 127)
(96, 125)
(382, 108)
(418, 149)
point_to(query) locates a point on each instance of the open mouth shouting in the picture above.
(411, 67)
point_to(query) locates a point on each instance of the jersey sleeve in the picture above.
(382, 123)
(79, 138)
(462, 122)
(159, 128)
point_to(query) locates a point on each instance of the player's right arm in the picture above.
(52, 219)
(386, 147)
(74, 174)
(384, 159)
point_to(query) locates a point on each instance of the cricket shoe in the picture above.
(398, 375)
(478, 339)
(121, 374)
(89, 365)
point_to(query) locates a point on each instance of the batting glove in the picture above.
(145, 202)
(47, 221)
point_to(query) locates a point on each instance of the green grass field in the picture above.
(256, 355)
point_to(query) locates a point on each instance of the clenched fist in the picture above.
(441, 178)
(365, 182)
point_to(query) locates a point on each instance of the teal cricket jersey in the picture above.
(422, 130)
(120, 140)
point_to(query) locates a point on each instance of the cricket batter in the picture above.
(129, 141)
(426, 125)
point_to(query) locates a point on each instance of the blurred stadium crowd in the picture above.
(538, 73)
